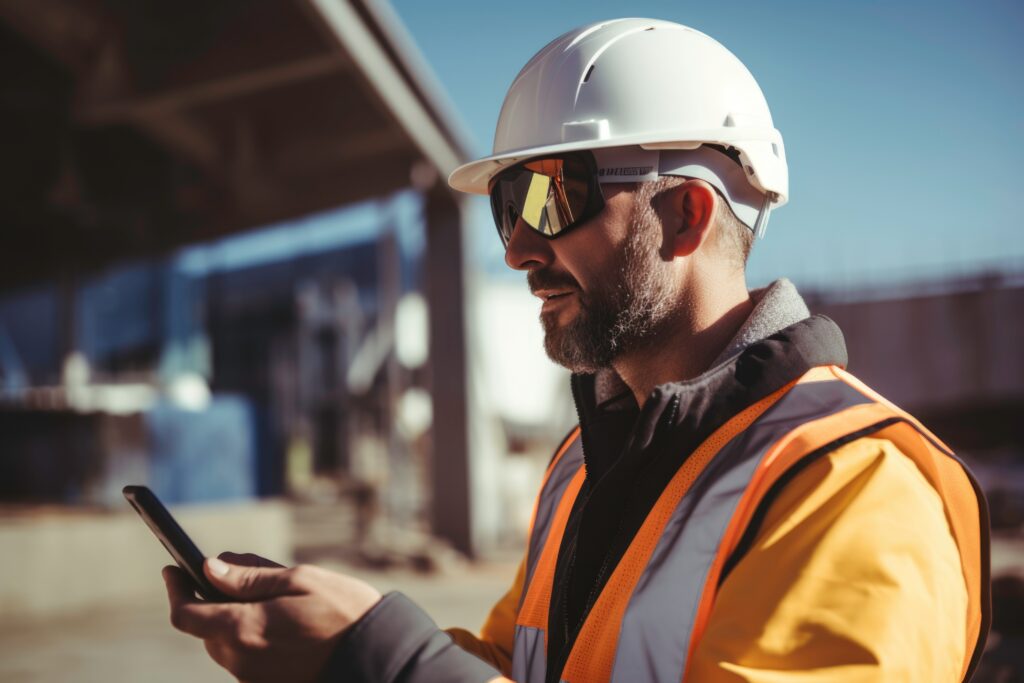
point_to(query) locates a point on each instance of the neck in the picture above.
(696, 337)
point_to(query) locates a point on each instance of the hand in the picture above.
(286, 621)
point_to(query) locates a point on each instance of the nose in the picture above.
(526, 249)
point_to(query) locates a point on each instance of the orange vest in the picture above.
(651, 613)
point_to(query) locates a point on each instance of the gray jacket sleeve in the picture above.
(396, 642)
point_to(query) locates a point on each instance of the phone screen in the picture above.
(160, 521)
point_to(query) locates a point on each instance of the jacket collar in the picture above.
(776, 307)
(776, 345)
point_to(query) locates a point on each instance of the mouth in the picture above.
(551, 294)
(555, 302)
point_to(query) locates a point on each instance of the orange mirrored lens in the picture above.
(548, 195)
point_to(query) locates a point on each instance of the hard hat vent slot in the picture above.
(589, 71)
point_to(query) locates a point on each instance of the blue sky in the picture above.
(903, 121)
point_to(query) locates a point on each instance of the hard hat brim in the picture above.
(475, 176)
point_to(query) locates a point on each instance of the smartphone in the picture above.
(173, 537)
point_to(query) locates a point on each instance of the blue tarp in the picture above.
(202, 456)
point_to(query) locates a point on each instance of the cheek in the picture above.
(587, 271)
(593, 254)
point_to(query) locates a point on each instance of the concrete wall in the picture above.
(935, 351)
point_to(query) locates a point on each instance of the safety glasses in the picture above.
(551, 195)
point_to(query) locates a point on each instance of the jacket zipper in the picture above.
(666, 418)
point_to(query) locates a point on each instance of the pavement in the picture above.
(135, 642)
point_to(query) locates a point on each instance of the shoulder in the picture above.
(864, 498)
(865, 520)
(855, 562)
(864, 471)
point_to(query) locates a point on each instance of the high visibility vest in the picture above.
(662, 591)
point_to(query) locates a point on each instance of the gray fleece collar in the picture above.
(776, 307)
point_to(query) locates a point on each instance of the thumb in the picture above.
(247, 584)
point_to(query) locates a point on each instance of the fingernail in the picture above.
(218, 567)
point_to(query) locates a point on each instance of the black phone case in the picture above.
(174, 539)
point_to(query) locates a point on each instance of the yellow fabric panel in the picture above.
(494, 644)
(854, 576)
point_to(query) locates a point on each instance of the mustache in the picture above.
(547, 279)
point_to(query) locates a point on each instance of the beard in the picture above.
(630, 309)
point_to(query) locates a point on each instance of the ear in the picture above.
(693, 206)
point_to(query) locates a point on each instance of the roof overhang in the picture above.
(137, 126)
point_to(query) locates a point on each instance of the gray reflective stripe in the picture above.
(528, 650)
(656, 627)
(548, 501)
(528, 658)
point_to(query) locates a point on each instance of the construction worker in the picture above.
(733, 505)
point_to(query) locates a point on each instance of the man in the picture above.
(734, 506)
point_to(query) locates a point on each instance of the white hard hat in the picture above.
(636, 82)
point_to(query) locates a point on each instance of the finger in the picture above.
(191, 615)
(207, 620)
(247, 560)
(226, 656)
(221, 653)
(180, 587)
(249, 583)
(243, 654)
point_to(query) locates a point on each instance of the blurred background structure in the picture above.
(230, 268)
(145, 338)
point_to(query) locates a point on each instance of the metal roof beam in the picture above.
(346, 27)
(306, 156)
(162, 103)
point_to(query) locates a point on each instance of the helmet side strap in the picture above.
(761, 225)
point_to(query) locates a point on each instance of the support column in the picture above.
(445, 279)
